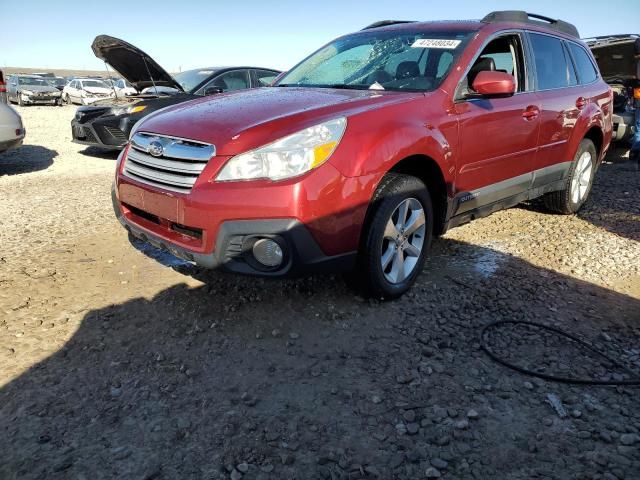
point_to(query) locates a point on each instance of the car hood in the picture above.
(101, 90)
(39, 88)
(240, 121)
(135, 66)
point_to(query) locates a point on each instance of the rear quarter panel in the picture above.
(597, 113)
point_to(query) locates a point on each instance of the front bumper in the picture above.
(109, 135)
(34, 99)
(302, 254)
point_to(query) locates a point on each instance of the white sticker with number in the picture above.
(436, 43)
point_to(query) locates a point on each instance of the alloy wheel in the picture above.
(403, 240)
(581, 178)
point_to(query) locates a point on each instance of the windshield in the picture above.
(94, 83)
(192, 78)
(389, 60)
(57, 81)
(40, 82)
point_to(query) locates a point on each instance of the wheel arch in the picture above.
(429, 171)
(596, 135)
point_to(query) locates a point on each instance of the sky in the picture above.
(184, 34)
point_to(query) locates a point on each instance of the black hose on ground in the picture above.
(554, 378)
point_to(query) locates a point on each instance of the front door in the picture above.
(498, 137)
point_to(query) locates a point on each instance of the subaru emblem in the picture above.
(155, 148)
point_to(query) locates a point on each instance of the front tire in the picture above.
(578, 184)
(397, 236)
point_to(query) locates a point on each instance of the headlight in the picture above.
(124, 110)
(288, 157)
(27, 92)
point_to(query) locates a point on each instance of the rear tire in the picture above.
(578, 184)
(396, 237)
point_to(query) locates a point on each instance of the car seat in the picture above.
(408, 69)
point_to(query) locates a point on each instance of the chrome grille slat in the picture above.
(175, 165)
(177, 148)
(173, 188)
(169, 179)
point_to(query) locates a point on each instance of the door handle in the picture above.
(580, 103)
(531, 113)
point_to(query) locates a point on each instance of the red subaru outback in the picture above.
(363, 151)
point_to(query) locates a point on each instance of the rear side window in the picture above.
(552, 67)
(265, 77)
(586, 71)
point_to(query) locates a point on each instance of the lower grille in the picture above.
(116, 133)
(167, 162)
(88, 135)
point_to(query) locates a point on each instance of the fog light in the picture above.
(267, 252)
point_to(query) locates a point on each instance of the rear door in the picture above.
(560, 98)
(498, 136)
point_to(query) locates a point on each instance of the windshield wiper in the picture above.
(347, 86)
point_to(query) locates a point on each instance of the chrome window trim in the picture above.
(562, 39)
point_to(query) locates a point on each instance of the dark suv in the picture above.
(365, 150)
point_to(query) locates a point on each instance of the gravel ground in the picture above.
(113, 365)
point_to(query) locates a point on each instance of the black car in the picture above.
(618, 60)
(107, 125)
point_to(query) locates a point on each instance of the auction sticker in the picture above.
(436, 43)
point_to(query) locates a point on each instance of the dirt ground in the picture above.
(117, 362)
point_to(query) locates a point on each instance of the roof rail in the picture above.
(533, 19)
(385, 23)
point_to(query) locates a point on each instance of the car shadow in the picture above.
(304, 379)
(25, 159)
(97, 152)
(613, 202)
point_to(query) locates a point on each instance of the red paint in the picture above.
(475, 144)
(494, 83)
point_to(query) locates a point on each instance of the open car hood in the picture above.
(135, 66)
(617, 60)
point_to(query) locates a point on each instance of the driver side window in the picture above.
(503, 54)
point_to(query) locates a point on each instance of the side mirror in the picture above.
(494, 84)
(213, 90)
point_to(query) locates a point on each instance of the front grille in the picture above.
(175, 165)
(116, 133)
